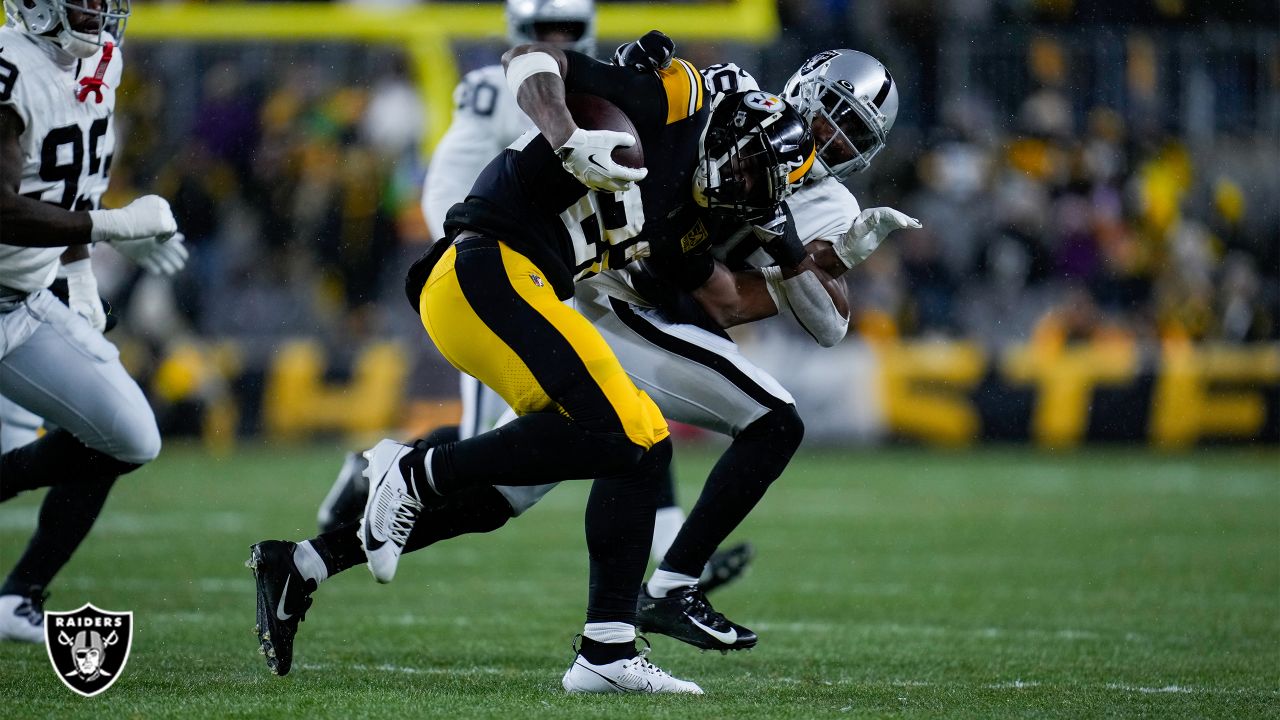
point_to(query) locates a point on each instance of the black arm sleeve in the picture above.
(786, 250)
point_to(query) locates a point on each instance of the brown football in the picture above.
(592, 112)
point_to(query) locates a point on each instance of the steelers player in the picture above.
(538, 219)
(486, 119)
(673, 346)
(60, 66)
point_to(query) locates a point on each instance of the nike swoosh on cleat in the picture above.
(728, 638)
(648, 684)
(372, 542)
(280, 613)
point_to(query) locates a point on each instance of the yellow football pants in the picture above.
(493, 315)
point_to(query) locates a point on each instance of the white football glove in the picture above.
(147, 217)
(588, 154)
(869, 230)
(155, 255)
(82, 293)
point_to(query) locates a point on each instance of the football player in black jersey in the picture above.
(490, 296)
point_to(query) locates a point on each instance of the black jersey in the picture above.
(526, 198)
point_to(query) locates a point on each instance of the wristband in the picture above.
(773, 283)
(522, 67)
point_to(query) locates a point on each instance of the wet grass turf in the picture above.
(897, 583)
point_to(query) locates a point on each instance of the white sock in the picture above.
(610, 632)
(666, 525)
(309, 562)
(664, 581)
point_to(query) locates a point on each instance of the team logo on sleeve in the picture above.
(88, 647)
(763, 101)
(695, 237)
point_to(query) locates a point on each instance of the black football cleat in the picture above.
(283, 599)
(685, 614)
(346, 499)
(726, 566)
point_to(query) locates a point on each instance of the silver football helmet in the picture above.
(531, 20)
(80, 27)
(850, 101)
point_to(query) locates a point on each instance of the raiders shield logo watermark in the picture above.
(88, 647)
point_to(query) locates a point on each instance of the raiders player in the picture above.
(580, 416)
(59, 69)
(486, 120)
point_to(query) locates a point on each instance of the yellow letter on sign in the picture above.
(1065, 376)
(1189, 403)
(298, 401)
(926, 390)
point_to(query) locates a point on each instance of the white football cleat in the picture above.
(636, 674)
(22, 617)
(391, 510)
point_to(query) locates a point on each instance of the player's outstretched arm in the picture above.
(535, 75)
(807, 292)
(25, 221)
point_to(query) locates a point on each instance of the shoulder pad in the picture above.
(728, 78)
(684, 90)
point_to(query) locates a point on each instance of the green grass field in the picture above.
(897, 583)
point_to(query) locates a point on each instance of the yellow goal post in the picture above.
(425, 31)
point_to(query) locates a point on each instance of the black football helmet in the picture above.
(754, 146)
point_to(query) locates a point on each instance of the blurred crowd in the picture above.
(1066, 188)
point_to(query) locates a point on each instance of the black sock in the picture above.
(740, 478)
(666, 495)
(538, 448)
(478, 509)
(54, 459)
(439, 436)
(619, 527)
(340, 549)
(66, 516)
(598, 653)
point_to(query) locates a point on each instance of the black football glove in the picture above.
(650, 53)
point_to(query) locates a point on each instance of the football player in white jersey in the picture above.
(487, 119)
(59, 68)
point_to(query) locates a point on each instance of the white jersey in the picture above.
(67, 144)
(822, 210)
(486, 119)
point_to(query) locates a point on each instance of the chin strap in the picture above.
(95, 84)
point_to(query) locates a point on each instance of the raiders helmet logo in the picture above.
(763, 102)
(88, 647)
(817, 60)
